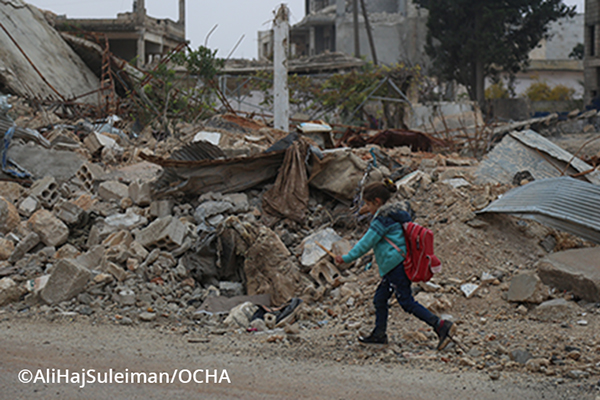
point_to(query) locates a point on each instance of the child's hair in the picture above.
(379, 190)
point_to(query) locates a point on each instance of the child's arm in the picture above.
(364, 244)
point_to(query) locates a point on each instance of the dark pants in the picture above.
(397, 281)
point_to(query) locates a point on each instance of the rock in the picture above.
(125, 296)
(231, 289)
(113, 190)
(557, 310)
(240, 315)
(522, 309)
(520, 356)
(67, 251)
(51, 230)
(210, 208)
(129, 220)
(69, 213)
(165, 233)
(6, 249)
(161, 208)
(126, 321)
(147, 316)
(92, 258)
(27, 243)
(527, 288)
(259, 325)
(573, 270)
(535, 364)
(119, 273)
(578, 374)
(494, 375)
(239, 202)
(9, 216)
(140, 193)
(9, 291)
(28, 206)
(433, 303)
(66, 281)
(11, 191)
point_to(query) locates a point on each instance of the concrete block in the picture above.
(66, 281)
(165, 233)
(85, 202)
(129, 220)
(69, 213)
(527, 288)
(161, 208)
(112, 190)
(118, 238)
(92, 143)
(140, 193)
(9, 216)
(119, 273)
(326, 273)
(138, 251)
(573, 270)
(46, 191)
(556, 310)
(52, 231)
(6, 249)
(24, 246)
(28, 206)
(88, 174)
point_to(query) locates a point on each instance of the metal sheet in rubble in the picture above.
(528, 151)
(563, 203)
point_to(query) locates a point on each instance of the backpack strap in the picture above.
(394, 246)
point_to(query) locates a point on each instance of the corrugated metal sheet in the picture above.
(529, 151)
(564, 203)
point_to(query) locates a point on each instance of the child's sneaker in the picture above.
(373, 339)
(445, 330)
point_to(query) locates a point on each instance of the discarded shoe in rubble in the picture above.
(283, 315)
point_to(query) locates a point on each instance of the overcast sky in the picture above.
(234, 18)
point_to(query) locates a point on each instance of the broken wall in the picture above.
(56, 62)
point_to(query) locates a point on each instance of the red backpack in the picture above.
(419, 263)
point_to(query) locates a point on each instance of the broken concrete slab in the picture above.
(527, 288)
(140, 193)
(51, 230)
(11, 191)
(28, 206)
(312, 253)
(66, 281)
(573, 270)
(62, 165)
(65, 77)
(6, 248)
(69, 213)
(326, 274)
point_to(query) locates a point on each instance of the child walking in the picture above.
(386, 226)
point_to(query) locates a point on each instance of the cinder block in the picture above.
(327, 271)
(165, 233)
(88, 174)
(140, 192)
(112, 190)
(46, 191)
(66, 281)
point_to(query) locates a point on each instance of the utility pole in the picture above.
(356, 37)
(281, 34)
(369, 33)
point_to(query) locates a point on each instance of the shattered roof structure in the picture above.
(529, 151)
(50, 71)
(327, 62)
(564, 203)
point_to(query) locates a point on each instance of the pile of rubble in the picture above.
(208, 228)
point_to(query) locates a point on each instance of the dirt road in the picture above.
(83, 348)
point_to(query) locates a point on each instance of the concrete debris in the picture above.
(312, 252)
(9, 216)
(51, 230)
(527, 288)
(573, 270)
(66, 281)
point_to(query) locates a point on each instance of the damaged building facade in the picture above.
(592, 50)
(134, 35)
(398, 26)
